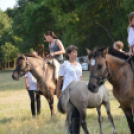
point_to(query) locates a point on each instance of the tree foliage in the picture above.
(84, 23)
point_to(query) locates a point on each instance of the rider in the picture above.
(56, 48)
(55, 45)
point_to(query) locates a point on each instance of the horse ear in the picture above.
(88, 51)
(105, 51)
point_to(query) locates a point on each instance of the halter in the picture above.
(102, 79)
(23, 70)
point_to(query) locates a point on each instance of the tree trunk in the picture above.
(14, 65)
(8, 63)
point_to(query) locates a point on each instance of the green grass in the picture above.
(15, 114)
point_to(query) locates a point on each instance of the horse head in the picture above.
(98, 68)
(22, 67)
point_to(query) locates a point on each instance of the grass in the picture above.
(15, 114)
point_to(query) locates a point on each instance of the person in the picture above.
(131, 34)
(118, 45)
(55, 45)
(31, 86)
(70, 71)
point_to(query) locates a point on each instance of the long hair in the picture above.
(69, 50)
(51, 33)
(130, 17)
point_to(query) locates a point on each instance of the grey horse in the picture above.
(77, 95)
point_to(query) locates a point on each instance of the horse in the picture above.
(45, 73)
(77, 95)
(109, 64)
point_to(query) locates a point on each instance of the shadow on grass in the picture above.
(5, 120)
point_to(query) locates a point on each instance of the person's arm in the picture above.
(61, 47)
(130, 50)
(26, 82)
(59, 82)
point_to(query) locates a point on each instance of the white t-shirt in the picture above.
(131, 37)
(31, 81)
(70, 73)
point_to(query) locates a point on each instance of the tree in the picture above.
(10, 53)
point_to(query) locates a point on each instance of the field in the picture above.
(15, 114)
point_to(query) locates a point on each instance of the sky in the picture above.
(4, 4)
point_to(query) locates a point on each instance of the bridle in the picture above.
(102, 79)
(26, 67)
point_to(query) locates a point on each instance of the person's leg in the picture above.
(31, 94)
(75, 123)
(38, 103)
(38, 92)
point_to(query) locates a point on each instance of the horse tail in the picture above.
(64, 100)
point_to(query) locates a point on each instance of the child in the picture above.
(118, 45)
(131, 34)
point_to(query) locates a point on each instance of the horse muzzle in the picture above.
(15, 77)
(93, 88)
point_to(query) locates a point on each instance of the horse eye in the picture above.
(99, 66)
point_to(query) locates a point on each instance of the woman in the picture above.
(70, 71)
(55, 45)
(31, 86)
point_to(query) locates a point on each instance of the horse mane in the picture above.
(117, 53)
(33, 54)
(112, 52)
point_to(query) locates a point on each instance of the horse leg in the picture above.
(107, 106)
(83, 120)
(51, 106)
(51, 101)
(129, 117)
(68, 120)
(99, 118)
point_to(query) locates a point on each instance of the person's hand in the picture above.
(58, 94)
(27, 87)
(130, 54)
(52, 54)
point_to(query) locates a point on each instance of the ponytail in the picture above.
(51, 33)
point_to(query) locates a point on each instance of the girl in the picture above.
(55, 45)
(31, 86)
(131, 33)
(70, 71)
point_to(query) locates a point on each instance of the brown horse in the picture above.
(46, 74)
(114, 66)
